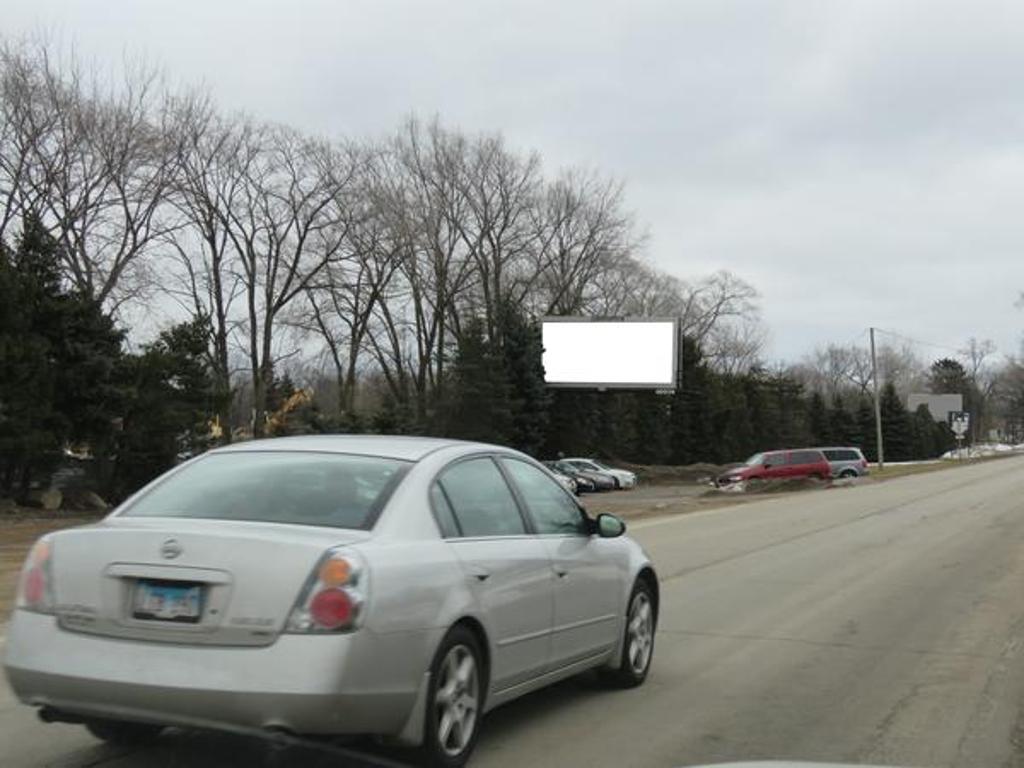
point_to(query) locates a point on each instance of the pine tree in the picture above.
(167, 414)
(865, 424)
(817, 420)
(522, 352)
(923, 433)
(479, 407)
(692, 436)
(59, 356)
(896, 432)
(842, 427)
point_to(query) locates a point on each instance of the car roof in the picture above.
(402, 447)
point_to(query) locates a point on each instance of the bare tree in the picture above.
(26, 125)
(584, 231)
(501, 190)
(736, 347)
(93, 161)
(288, 222)
(341, 304)
(205, 274)
(975, 354)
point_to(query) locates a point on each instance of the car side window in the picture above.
(552, 509)
(443, 512)
(806, 457)
(481, 500)
(835, 455)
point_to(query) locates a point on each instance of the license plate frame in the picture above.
(174, 602)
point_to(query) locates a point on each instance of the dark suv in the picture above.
(778, 465)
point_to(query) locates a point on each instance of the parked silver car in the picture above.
(330, 585)
(846, 462)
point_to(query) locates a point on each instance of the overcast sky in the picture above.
(860, 163)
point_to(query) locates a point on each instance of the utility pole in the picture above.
(878, 407)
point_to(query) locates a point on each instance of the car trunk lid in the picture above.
(206, 582)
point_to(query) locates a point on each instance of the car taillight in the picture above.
(333, 596)
(35, 588)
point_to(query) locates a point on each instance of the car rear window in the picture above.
(324, 489)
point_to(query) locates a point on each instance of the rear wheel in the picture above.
(455, 701)
(848, 473)
(638, 639)
(121, 732)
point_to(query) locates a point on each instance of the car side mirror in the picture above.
(766, 465)
(609, 526)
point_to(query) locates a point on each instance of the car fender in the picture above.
(634, 561)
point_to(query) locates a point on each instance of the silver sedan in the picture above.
(400, 587)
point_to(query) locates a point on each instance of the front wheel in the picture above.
(456, 698)
(638, 639)
(124, 733)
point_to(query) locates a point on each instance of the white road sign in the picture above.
(959, 422)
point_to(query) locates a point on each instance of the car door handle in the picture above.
(481, 574)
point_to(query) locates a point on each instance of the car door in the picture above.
(588, 586)
(507, 566)
(776, 465)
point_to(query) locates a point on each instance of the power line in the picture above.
(918, 341)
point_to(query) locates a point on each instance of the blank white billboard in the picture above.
(619, 354)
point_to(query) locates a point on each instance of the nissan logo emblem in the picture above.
(170, 549)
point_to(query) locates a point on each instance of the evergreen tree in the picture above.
(167, 414)
(842, 428)
(59, 355)
(948, 376)
(897, 440)
(521, 353)
(479, 405)
(692, 436)
(923, 434)
(865, 424)
(651, 429)
(818, 420)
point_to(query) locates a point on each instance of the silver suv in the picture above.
(846, 462)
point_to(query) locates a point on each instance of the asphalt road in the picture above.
(878, 624)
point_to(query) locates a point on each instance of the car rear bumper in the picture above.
(358, 683)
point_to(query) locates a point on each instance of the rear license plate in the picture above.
(167, 601)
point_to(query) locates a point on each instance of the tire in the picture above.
(637, 640)
(124, 733)
(456, 692)
(848, 473)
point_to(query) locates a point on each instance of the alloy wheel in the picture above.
(456, 701)
(640, 633)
